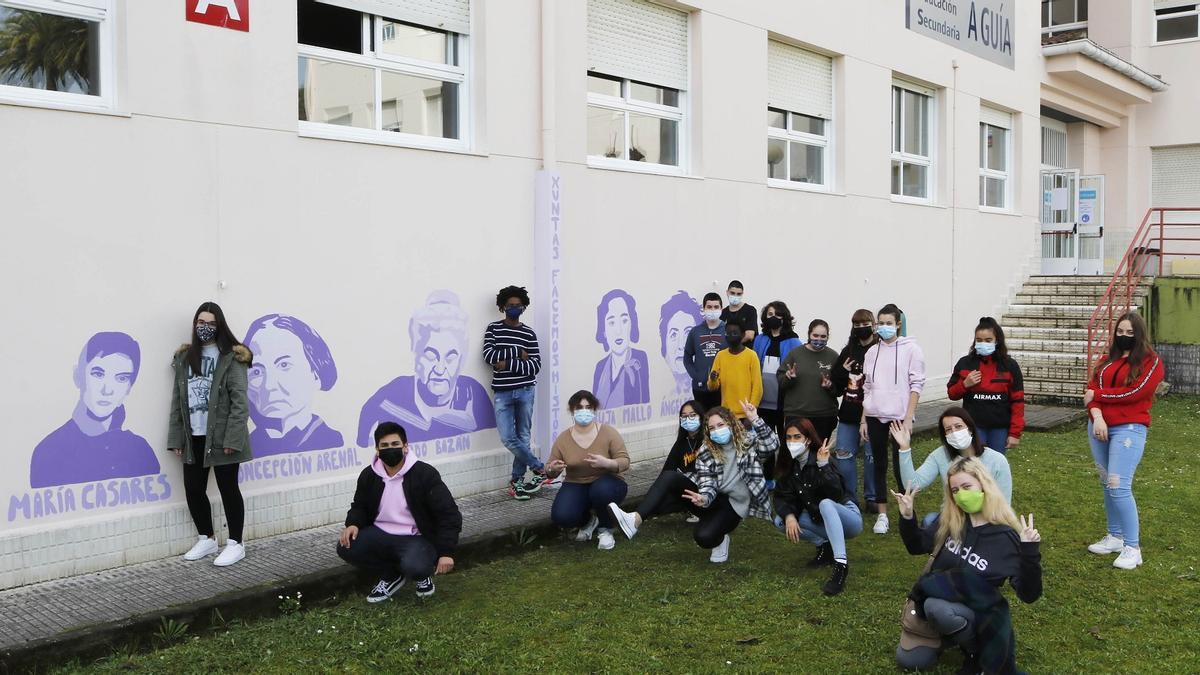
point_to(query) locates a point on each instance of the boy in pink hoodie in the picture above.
(894, 370)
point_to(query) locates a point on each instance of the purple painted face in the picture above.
(438, 364)
(677, 331)
(107, 380)
(617, 326)
(281, 383)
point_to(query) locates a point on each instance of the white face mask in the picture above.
(797, 448)
(959, 440)
(712, 315)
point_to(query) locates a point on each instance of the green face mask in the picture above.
(970, 501)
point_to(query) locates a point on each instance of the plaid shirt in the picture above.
(762, 442)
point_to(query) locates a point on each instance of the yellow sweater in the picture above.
(739, 377)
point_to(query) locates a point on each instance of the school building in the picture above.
(353, 180)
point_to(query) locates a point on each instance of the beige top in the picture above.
(608, 444)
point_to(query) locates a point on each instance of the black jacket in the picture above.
(432, 506)
(805, 487)
(851, 409)
(994, 552)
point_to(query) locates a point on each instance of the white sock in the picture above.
(840, 560)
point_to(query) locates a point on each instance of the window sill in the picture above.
(998, 211)
(638, 167)
(802, 187)
(65, 107)
(330, 132)
(1181, 41)
(915, 201)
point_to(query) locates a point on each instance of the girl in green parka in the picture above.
(208, 427)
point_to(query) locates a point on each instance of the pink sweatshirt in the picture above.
(892, 372)
(394, 516)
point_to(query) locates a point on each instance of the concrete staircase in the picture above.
(1046, 330)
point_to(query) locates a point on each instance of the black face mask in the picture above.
(861, 332)
(393, 457)
(773, 323)
(1124, 342)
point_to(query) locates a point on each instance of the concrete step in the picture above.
(1077, 323)
(1068, 400)
(1058, 347)
(1060, 389)
(1033, 333)
(1039, 298)
(1060, 359)
(1061, 372)
(1047, 311)
(1101, 281)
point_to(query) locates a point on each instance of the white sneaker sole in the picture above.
(610, 547)
(226, 563)
(623, 521)
(190, 557)
(1126, 567)
(1103, 551)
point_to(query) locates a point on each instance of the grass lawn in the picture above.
(656, 603)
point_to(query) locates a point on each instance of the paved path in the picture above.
(99, 605)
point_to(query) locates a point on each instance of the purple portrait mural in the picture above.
(623, 376)
(678, 316)
(438, 401)
(92, 446)
(291, 364)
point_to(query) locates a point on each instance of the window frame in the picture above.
(898, 155)
(372, 32)
(789, 136)
(1006, 176)
(1063, 27)
(626, 104)
(1178, 13)
(100, 11)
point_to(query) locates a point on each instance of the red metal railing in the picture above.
(1149, 241)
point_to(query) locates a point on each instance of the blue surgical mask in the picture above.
(985, 348)
(721, 436)
(584, 417)
(735, 300)
(690, 424)
(712, 315)
(514, 312)
(886, 332)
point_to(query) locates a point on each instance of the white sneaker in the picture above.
(233, 552)
(881, 524)
(692, 518)
(1109, 544)
(203, 548)
(625, 520)
(607, 542)
(585, 532)
(721, 553)
(1130, 558)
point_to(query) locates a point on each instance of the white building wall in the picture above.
(202, 189)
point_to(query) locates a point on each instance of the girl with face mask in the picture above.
(988, 381)
(847, 377)
(960, 438)
(1118, 399)
(814, 502)
(594, 457)
(979, 543)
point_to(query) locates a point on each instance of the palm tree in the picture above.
(35, 47)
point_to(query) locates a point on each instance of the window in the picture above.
(385, 79)
(1064, 15)
(799, 110)
(636, 81)
(912, 145)
(995, 158)
(57, 54)
(1054, 144)
(1176, 21)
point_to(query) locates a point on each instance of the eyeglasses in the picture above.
(689, 417)
(393, 444)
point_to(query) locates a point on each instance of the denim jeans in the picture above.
(390, 555)
(847, 449)
(995, 438)
(576, 502)
(840, 522)
(514, 417)
(1117, 459)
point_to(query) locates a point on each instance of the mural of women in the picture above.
(92, 446)
(438, 401)
(291, 364)
(622, 377)
(677, 317)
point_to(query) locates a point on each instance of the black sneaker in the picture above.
(425, 587)
(385, 589)
(823, 557)
(838, 580)
(970, 665)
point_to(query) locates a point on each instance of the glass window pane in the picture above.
(49, 52)
(606, 133)
(1081, 10)
(776, 119)
(653, 139)
(415, 42)
(993, 192)
(652, 94)
(776, 158)
(808, 125)
(1062, 11)
(1045, 13)
(807, 163)
(322, 25)
(337, 93)
(996, 145)
(916, 124)
(897, 119)
(1177, 29)
(418, 105)
(895, 177)
(915, 180)
(599, 84)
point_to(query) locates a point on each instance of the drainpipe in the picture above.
(953, 202)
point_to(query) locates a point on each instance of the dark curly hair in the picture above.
(507, 292)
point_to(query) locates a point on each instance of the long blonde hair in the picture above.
(996, 509)
(739, 440)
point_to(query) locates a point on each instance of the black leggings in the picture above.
(666, 495)
(195, 488)
(718, 520)
(880, 436)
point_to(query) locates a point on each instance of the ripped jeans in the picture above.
(1117, 460)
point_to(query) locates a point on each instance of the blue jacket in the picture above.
(762, 342)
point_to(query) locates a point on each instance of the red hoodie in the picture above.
(1126, 403)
